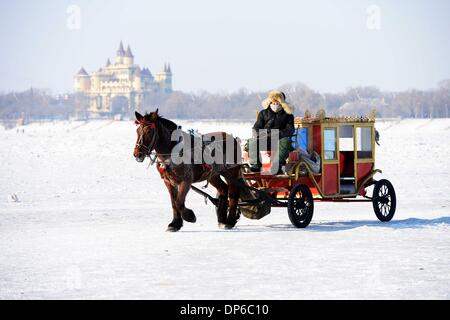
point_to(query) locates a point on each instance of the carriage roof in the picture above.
(321, 118)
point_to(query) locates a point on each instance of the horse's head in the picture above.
(146, 135)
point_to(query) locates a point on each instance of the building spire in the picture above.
(82, 72)
(169, 70)
(121, 51)
(129, 53)
(108, 62)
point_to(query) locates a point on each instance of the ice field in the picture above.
(80, 218)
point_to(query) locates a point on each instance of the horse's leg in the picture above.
(222, 206)
(233, 194)
(187, 214)
(177, 222)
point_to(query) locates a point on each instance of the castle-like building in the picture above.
(121, 86)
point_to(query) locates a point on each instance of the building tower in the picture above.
(128, 58)
(165, 79)
(120, 54)
(82, 81)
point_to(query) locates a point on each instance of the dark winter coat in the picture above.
(284, 122)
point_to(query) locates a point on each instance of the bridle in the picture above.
(148, 151)
(140, 143)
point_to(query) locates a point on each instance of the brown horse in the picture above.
(155, 134)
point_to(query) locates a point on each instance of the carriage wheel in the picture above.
(300, 206)
(384, 200)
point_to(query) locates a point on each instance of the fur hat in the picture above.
(280, 97)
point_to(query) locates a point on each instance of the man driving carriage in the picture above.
(276, 114)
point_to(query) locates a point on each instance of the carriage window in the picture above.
(329, 139)
(364, 142)
(346, 138)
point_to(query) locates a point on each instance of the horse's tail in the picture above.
(242, 183)
(241, 174)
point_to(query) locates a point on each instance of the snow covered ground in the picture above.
(90, 223)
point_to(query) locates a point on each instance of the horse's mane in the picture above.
(165, 122)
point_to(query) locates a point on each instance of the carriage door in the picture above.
(346, 159)
(330, 176)
(365, 144)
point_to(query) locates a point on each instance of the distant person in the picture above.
(276, 114)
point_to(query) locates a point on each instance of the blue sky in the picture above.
(221, 46)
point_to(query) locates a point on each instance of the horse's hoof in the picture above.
(189, 216)
(225, 226)
(172, 229)
(174, 226)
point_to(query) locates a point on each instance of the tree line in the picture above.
(37, 104)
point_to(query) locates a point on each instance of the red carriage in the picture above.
(346, 146)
